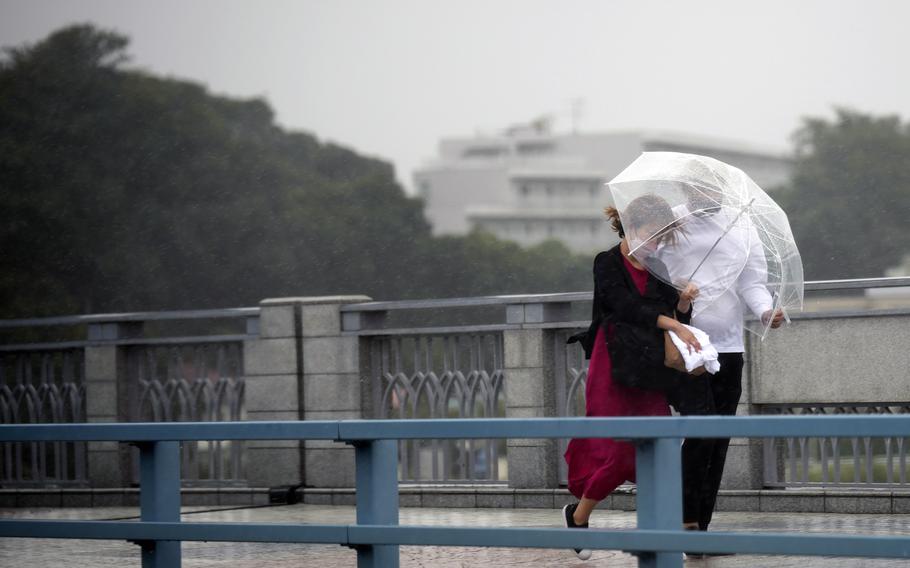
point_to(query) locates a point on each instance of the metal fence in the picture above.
(165, 378)
(191, 382)
(658, 539)
(442, 376)
(38, 387)
(571, 376)
(429, 369)
(850, 461)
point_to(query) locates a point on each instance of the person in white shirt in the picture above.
(722, 319)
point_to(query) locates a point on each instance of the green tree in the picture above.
(849, 202)
(124, 191)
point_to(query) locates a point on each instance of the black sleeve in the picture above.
(684, 317)
(623, 305)
(670, 297)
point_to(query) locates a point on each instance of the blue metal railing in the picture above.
(658, 540)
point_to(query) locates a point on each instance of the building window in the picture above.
(484, 152)
(534, 148)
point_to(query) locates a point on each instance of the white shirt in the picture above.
(722, 319)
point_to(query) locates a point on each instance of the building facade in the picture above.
(530, 185)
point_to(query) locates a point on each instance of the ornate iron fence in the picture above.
(456, 375)
(194, 382)
(836, 461)
(39, 387)
(571, 375)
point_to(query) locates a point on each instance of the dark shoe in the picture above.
(693, 555)
(704, 555)
(569, 521)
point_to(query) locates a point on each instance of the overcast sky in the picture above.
(389, 78)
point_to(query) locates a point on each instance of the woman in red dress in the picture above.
(631, 310)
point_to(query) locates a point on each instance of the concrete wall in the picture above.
(834, 359)
(846, 358)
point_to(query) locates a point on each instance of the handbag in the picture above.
(674, 359)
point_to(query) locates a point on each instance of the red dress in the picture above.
(597, 466)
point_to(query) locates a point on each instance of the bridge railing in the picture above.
(143, 367)
(346, 357)
(658, 540)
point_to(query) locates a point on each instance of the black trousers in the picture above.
(703, 458)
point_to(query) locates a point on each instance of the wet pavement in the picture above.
(52, 553)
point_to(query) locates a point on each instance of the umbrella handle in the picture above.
(781, 308)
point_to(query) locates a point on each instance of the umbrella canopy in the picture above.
(692, 218)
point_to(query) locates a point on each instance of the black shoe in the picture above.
(704, 555)
(693, 555)
(569, 520)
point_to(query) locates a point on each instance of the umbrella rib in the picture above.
(728, 193)
(659, 231)
(727, 230)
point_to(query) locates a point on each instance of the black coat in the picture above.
(637, 347)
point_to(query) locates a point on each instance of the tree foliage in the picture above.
(849, 201)
(125, 191)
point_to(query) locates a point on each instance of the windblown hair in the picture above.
(613, 215)
(647, 209)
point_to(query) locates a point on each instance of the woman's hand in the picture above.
(688, 294)
(688, 337)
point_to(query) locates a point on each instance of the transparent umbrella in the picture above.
(692, 218)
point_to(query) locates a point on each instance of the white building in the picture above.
(530, 185)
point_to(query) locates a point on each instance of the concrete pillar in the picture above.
(302, 368)
(530, 391)
(332, 386)
(106, 401)
(272, 392)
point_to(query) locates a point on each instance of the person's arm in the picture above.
(628, 307)
(686, 297)
(670, 324)
(751, 285)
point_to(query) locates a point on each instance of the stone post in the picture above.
(332, 385)
(302, 368)
(530, 390)
(106, 400)
(272, 391)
